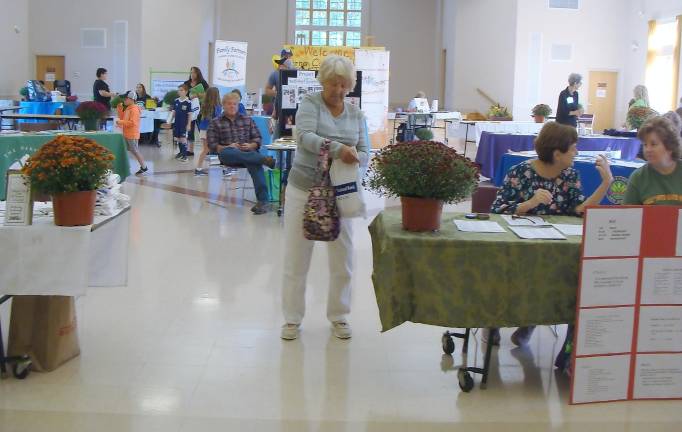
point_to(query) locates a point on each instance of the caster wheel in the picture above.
(21, 369)
(448, 344)
(279, 212)
(466, 382)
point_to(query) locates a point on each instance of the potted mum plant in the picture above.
(424, 174)
(540, 112)
(91, 113)
(638, 115)
(70, 169)
(499, 113)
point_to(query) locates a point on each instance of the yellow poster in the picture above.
(307, 57)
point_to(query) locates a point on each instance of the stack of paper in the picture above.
(479, 226)
(548, 233)
(569, 229)
(513, 220)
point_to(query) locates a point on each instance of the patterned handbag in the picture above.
(320, 215)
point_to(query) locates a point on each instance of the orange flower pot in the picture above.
(539, 118)
(74, 208)
(421, 214)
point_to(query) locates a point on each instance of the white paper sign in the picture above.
(605, 331)
(658, 376)
(605, 281)
(662, 281)
(660, 329)
(601, 93)
(679, 234)
(288, 97)
(229, 64)
(601, 378)
(374, 65)
(613, 232)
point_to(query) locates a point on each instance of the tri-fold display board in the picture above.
(294, 85)
(628, 336)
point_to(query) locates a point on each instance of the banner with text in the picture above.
(229, 66)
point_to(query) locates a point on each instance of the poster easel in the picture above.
(628, 336)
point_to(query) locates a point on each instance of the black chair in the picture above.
(64, 86)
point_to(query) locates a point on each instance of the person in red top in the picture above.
(129, 122)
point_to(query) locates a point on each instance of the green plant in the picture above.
(637, 115)
(170, 97)
(422, 169)
(542, 110)
(498, 111)
(424, 134)
(115, 101)
(23, 91)
(91, 110)
(68, 164)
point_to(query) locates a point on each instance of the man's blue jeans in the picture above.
(253, 161)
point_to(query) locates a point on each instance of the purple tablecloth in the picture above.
(492, 146)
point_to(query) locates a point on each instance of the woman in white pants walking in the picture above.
(321, 117)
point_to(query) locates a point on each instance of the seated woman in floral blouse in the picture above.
(549, 185)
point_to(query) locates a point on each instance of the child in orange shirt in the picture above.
(129, 121)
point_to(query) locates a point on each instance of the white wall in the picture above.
(484, 47)
(598, 36)
(640, 12)
(169, 46)
(14, 63)
(55, 30)
(261, 23)
(410, 31)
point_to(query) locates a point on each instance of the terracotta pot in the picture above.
(421, 214)
(539, 118)
(74, 208)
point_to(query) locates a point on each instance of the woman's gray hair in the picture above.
(574, 79)
(337, 66)
(640, 92)
(674, 119)
(421, 94)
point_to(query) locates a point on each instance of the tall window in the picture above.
(328, 22)
(663, 64)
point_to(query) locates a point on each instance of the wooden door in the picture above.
(602, 99)
(49, 69)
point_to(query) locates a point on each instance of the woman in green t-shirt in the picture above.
(659, 182)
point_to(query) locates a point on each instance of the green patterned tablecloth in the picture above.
(457, 279)
(14, 147)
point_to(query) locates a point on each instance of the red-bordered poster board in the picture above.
(628, 335)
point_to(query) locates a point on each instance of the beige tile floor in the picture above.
(192, 344)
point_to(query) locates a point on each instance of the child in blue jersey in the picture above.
(210, 109)
(182, 113)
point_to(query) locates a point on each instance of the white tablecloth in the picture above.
(478, 127)
(45, 259)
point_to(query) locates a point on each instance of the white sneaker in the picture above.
(341, 330)
(290, 331)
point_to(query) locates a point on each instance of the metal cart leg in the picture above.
(466, 381)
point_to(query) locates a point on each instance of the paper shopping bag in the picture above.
(44, 327)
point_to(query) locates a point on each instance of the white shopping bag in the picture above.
(346, 181)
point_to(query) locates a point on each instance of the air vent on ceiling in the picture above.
(561, 53)
(93, 38)
(564, 4)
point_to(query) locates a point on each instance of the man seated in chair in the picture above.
(236, 140)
